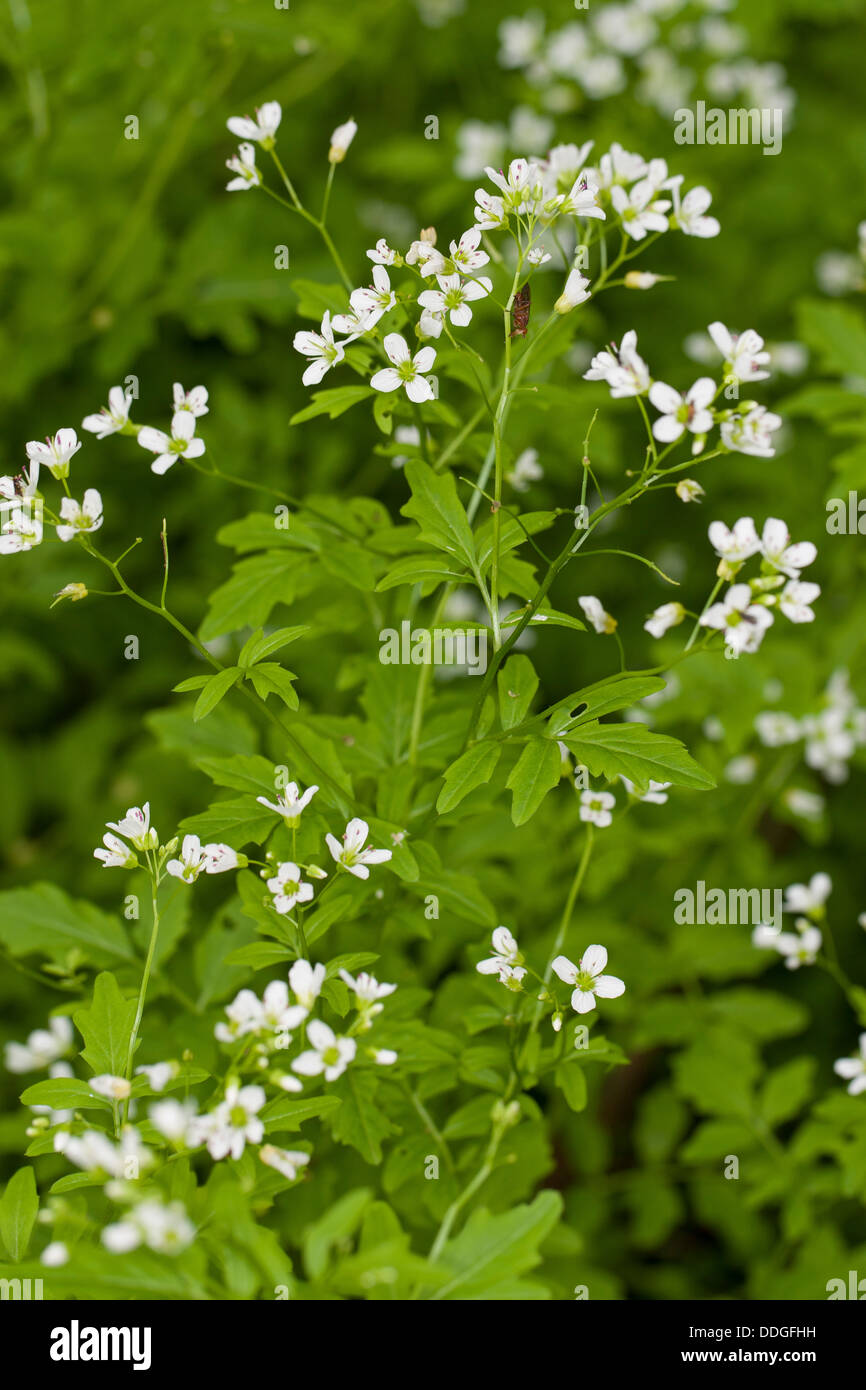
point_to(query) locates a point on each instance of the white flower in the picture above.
(111, 418)
(639, 209)
(116, 854)
(262, 129)
(329, 1054)
(55, 1255)
(172, 1118)
(429, 261)
(775, 729)
(743, 622)
(136, 827)
(575, 292)
(278, 1015)
(690, 214)
(243, 166)
(750, 434)
(22, 528)
(244, 1014)
(778, 551)
(284, 1161)
(587, 979)
(165, 1228)
(306, 981)
(368, 304)
(195, 401)
(795, 598)
(565, 164)
(453, 298)
(596, 807)
(181, 443)
(289, 888)
(234, 1123)
(736, 545)
(656, 793)
(526, 470)
(490, 212)
(80, 517)
(290, 803)
(622, 368)
(219, 858)
(851, 1069)
(321, 347)
(800, 948)
(743, 353)
(366, 987)
(43, 1046)
(666, 616)
(407, 371)
(594, 613)
(94, 1152)
(808, 897)
(680, 413)
(382, 253)
(688, 490)
(341, 139)
(506, 961)
(383, 1056)
(55, 453)
(465, 253)
(430, 324)
(351, 855)
(581, 200)
(191, 862)
(618, 166)
(158, 1074)
(112, 1087)
(521, 187)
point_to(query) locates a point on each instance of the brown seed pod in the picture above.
(520, 310)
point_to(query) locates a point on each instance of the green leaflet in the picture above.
(439, 512)
(106, 1027)
(638, 753)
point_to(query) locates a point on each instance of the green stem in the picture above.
(142, 993)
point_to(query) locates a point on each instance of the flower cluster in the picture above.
(747, 610)
(801, 946)
(587, 979)
(831, 736)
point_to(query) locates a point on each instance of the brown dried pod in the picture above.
(520, 310)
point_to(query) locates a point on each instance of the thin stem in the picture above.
(142, 993)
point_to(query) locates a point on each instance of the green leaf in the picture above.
(260, 645)
(787, 1090)
(43, 918)
(597, 700)
(18, 1207)
(106, 1027)
(426, 569)
(333, 403)
(360, 1120)
(638, 753)
(314, 298)
(838, 332)
(244, 774)
(472, 769)
(336, 1226)
(256, 585)
(492, 1249)
(240, 821)
(191, 683)
(217, 687)
(439, 512)
(516, 683)
(571, 1080)
(286, 1114)
(535, 773)
(272, 679)
(64, 1093)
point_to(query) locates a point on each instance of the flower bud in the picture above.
(341, 140)
(575, 293)
(641, 279)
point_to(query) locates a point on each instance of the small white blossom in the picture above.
(666, 616)
(656, 793)
(55, 453)
(587, 979)
(306, 981)
(290, 803)
(778, 551)
(321, 348)
(328, 1055)
(506, 961)
(284, 1161)
(853, 1069)
(407, 371)
(690, 214)
(743, 622)
(596, 807)
(288, 888)
(382, 254)
(744, 357)
(681, 413)
(595, 614)
(751, 433)
(795, 598)
(137, 828)
(808, 898)
(465, 253)
(526, 470)
(112, 1087)
(622, 368)
(195, 401)
(43, 1046)
(181, 443)
(243, 166)
(262, 129)
(454, 297)
(80, 518)
(736, 545)
(575, 293)
(111, 418)
(640, 210)
(341, 139)
(351, 855)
